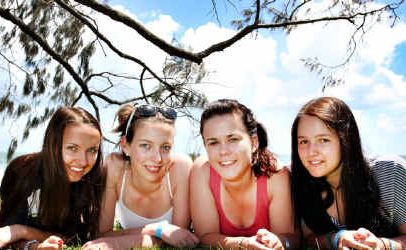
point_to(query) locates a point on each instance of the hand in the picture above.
(366, 237)
(106, 243)
(172, 234)
(351, 239)
(252, 243)
(269, 239)
(52, 242)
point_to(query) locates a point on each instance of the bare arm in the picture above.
(114, 165)
(20, 234)
(179, 175)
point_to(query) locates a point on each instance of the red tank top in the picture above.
(261, 215)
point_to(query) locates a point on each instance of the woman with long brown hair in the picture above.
(342, 199)
(54, 196)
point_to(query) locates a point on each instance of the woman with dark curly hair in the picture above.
(54, 196)
(239, 198)
(343, 200)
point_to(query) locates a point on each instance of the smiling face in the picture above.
(229, 147)
(150, 150)
(319, 149)
(80, 146)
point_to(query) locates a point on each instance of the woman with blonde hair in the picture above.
(148, 184)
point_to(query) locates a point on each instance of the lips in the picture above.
(227, 163)
(153, 168)
(315, 163)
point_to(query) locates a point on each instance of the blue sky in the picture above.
(265, 72)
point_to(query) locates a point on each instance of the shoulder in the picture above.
(201, 165)
(388, 163)
(282, 175)
(181, 166)
(115, 166)
(279, 182)
(22, 166)
(200, 169)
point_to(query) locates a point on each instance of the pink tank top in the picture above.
(261, 215)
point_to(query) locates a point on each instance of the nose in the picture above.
(313, 149)
(156, 156)
(83, 159)
(224, 149)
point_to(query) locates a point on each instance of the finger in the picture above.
(354, 244)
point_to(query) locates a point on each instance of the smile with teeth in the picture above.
(76, 169)
(153, 168)
(226, 163)
(315, 162)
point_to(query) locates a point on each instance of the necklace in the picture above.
(336, 190)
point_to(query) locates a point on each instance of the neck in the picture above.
(334, 178)
(142, 185)
(241, 184)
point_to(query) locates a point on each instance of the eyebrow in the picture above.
(319, 135)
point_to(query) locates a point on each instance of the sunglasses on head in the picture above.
(148, 110)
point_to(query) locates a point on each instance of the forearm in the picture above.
(397, 243)
(290, 241)
(222, 241)
(122, 232)
(320, 241)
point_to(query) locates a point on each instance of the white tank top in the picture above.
(129, 219)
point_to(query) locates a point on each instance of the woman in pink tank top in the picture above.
(239, 199)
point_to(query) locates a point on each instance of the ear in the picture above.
(124, 145)
(254, 143)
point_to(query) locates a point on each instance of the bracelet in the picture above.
(384, 245)
(158, 231)
(391, 244)
(317, 243)
(337, 238)
(286, 243)
(328, 237)
(28, 244)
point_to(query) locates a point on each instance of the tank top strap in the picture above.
(123, 182)
(168, 178)
(262, 197)
(214, 182)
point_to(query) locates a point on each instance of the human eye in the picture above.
(211, 143)
(324, 140)
(72, 148)
(145, 146)
(166, 148)
(302, 141)
(234, 139)
(93, 150)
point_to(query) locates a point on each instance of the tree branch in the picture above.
(5, 13)
(109, 44)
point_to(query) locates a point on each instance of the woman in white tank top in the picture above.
(146, 186)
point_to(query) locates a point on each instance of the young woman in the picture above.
(55, 195)
(238, 196)
(344, 200)
(149, 185)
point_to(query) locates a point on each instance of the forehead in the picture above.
(81, 134)
(312, 126)
(153, 129)
(221, 125)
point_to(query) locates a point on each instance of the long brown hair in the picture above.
(264, 162)
(63, 206)
(359, 188)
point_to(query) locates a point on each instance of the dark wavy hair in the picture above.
(359, 188)
(70, 209)
(264, 162)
